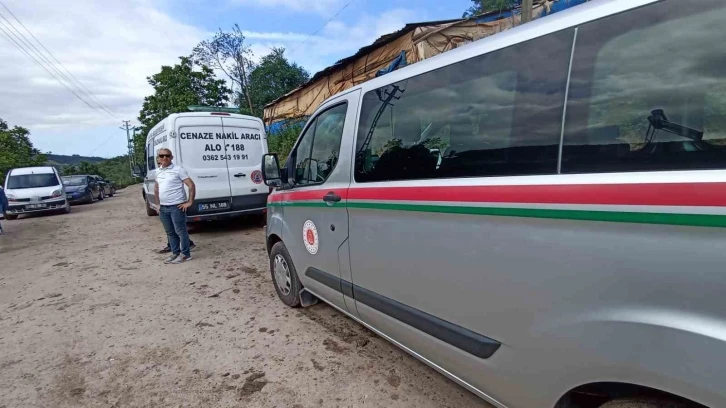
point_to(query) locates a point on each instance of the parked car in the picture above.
(113, 186)
(82, 189)
(107, 188)
(34, 190)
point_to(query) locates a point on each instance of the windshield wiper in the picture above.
(659, 121)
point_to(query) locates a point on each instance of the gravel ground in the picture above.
(90, 316)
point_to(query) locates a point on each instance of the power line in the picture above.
(101, 145)
(20, 47)
(28, 45)
(77, 81)
(321, 27)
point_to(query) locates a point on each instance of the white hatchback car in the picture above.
(34, 190)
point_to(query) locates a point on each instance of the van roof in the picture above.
(32, 170)
(202, 115)
(205, 114)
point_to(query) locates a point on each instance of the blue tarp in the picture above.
(278, 126)
(399, 62)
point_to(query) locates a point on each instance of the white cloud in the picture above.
(323, 7)
(111, 47)
(339, 40)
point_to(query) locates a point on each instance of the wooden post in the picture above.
(526, 11)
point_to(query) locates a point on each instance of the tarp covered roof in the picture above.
(419, 41)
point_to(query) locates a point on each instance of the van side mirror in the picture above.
(271, 170)
(138, 171)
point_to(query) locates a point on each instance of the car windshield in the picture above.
(32, 181)
(74, 181)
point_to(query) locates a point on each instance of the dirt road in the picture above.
(89, 316)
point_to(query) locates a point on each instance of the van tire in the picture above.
(112, 192)
(101, 195)
(149, 211)
(642, 403)
(292, 298)
(11, 217)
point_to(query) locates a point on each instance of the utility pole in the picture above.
(130, 143)
(526, 11)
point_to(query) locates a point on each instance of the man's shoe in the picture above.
(165, 250)
(181, 259)
(191, 246)
(172, 258)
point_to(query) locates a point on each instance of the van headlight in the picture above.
(11, 197)
(56, 193)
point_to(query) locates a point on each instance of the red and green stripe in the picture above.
(694, 204)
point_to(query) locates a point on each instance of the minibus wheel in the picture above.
(284, 276)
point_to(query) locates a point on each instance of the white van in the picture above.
(34, 190)
(222, 154)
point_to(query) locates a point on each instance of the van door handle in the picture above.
(240, 175)
(331, 197)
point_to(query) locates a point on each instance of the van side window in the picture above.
(318, 150)
(647, 91)
(150, 157)
(497, 114)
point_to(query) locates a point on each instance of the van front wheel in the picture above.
(11, 217)
(149, 211)
(284, 276)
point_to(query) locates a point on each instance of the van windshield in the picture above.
(32, 181)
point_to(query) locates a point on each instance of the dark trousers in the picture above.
(174, 221)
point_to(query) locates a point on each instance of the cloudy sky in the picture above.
(112, 46)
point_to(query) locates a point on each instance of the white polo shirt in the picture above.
(171, 184)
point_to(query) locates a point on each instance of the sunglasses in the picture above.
(163, 156)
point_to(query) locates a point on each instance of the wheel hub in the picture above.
(282, 275)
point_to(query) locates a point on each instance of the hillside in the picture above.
(61, 159)
(116, 169)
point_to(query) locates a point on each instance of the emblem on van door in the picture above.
(310, 237)
(256, 177)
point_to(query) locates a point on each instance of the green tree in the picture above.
(227, 52)
(175, 88)
(485, 6)
(82, 167)
(281, 142)
(117, 169)
(16, 149)
(69, 170)
(273, 77)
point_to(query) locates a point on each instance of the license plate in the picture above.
(222, 205)
(36, 206)
(69, 195)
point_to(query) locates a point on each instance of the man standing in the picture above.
(167, 248)
(173, 203)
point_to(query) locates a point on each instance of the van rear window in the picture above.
(647, 91)
(32, 181)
